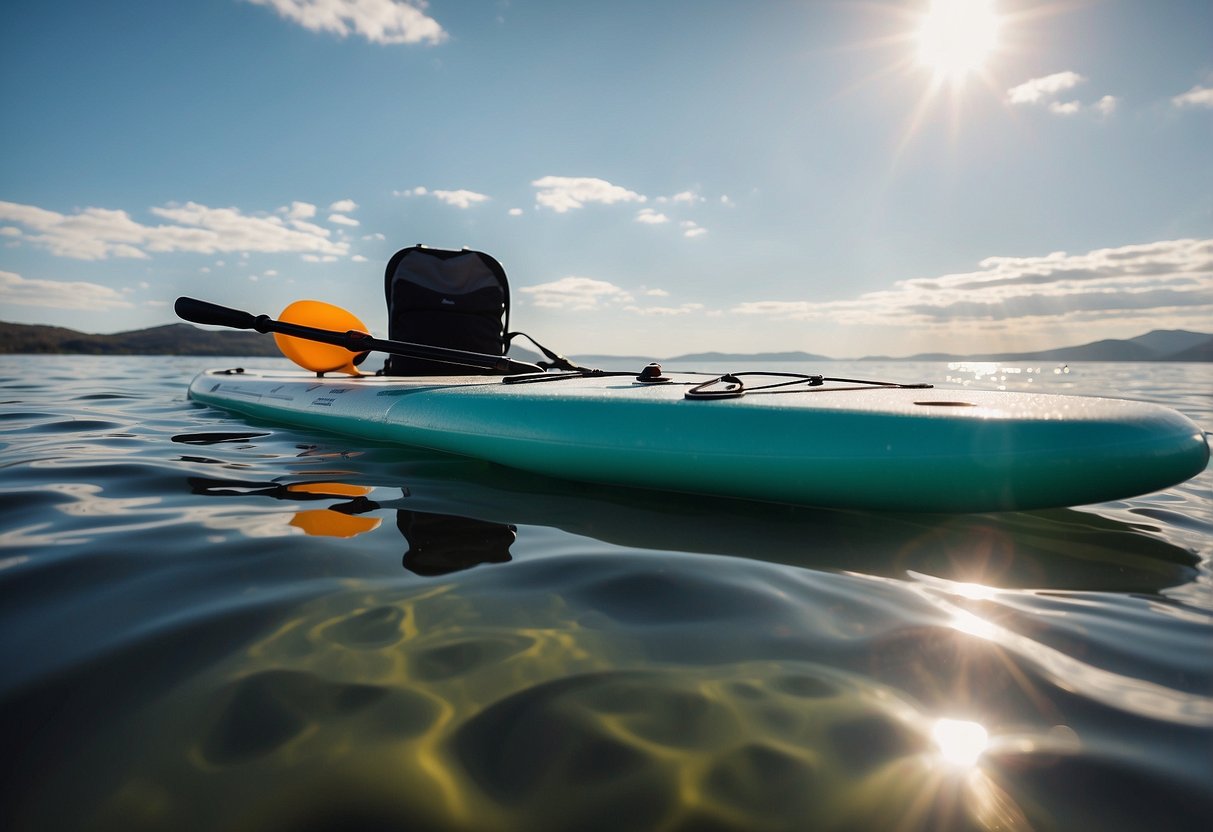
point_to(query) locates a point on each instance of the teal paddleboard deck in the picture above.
(833, 445)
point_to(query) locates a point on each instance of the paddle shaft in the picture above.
(212, 314)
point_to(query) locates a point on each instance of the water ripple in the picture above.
(328, 632)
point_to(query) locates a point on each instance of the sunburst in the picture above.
(957, 37)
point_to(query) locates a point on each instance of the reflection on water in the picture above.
(207, 624)
(994, 375)
(1058, 549)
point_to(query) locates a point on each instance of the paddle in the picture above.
(212, 314)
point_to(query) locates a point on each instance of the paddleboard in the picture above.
(838, 445)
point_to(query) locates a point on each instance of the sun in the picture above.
(957, 37)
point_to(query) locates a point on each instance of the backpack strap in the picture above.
(555, 361)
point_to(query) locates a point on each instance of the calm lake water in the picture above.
(209, 623)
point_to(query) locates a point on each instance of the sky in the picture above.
(658, 177)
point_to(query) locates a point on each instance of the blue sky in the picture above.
(656, 177)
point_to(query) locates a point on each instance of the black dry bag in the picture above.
(454, 299)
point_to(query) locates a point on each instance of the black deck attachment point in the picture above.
(652, 375)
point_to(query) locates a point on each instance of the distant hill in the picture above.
(1197, 352)
(185, 339)
(171, 339)
(1159, 345)
(1172, 341)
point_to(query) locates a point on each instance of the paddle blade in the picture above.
(314, 356)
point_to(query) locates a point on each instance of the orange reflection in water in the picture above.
(324, 522)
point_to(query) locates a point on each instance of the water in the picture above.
(207, 623)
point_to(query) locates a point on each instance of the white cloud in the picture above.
(564, 193)
(794, 309)
(379, 21)
(1045, 92)
(515, 212)
(207, 230)
(1064, 108)
(342, 219)
(665, 311)
(1198, 96)
(651, 217)
(59, 294)
(576, 293)
(1170, 279)
(583, 294)
(101, 233)
(682, 196)
(692, 229)
(91, 234)
(299, 211)
(461, 198)
(1033, 91)
(344, 206)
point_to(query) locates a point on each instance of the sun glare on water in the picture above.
(956, 38)
(960, 742)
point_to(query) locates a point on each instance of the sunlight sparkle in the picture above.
(960, 742)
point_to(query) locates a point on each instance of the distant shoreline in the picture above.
(185, 339)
